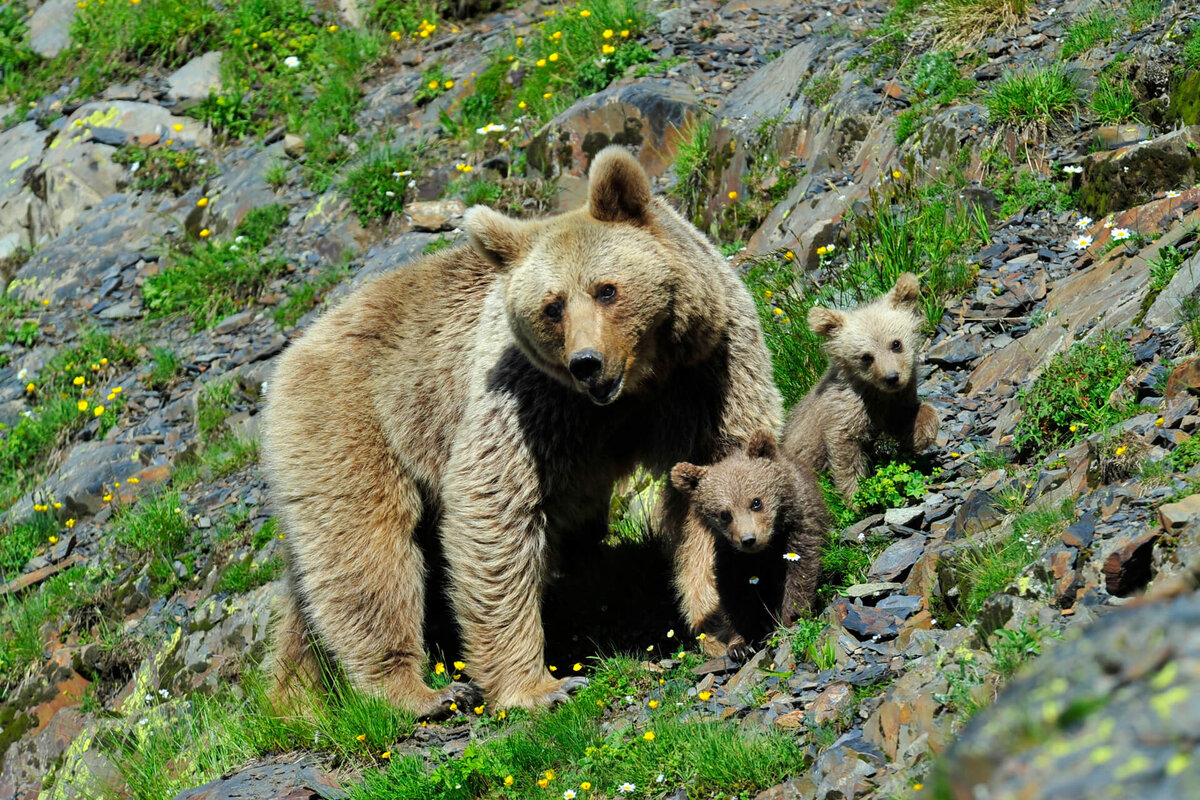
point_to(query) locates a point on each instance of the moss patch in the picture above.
(1118, 184)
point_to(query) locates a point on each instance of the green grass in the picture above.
(405, 17)
(1029, 191)
(1070, 399)
(1098, 26)
(1113, 101)
(210, 279)
(820, 90)
(15, 55)
(243, 576)
(303, 298)
(1142, 12)
(572, 745)
(165, 168)
(1189, 57)
(377, 186)
(987, 570)
(1036, 95)
(23, 541)
(1164, 267)
(693, 163)
(213, 407)
(165, 367)
(198, 741)
(216, 459)
(72, 377)
(1186, 455)
(155, 527)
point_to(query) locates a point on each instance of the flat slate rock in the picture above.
(272, 781)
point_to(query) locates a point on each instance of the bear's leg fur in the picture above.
(495, 542)
(294, 668)
(847, 462)
(695, 562)
(925, 428)
(365, 592)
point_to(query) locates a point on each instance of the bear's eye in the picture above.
(756, 504)
(725, 517)
(867, 359)
(553, 311)
(896, 346)
(606, 293)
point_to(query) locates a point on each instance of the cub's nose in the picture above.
(585, 365)
(748, 540)
(892, 378)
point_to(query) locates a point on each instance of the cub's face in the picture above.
(876, 344)
(587, 305)
(739, 497)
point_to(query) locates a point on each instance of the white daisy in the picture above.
(1075, 170)
(1080, 242)
(791, 556)
(754, 581)
(1120, 233)
(291, 62)
(1172, 193)
(626, 788)
(1083, 222)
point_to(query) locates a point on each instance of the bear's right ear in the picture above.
(618, 190)
(686, 477)
(906, 292)
(500, 239)
(762, 445)
(824, 322)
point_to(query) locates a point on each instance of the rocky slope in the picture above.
(822, 117)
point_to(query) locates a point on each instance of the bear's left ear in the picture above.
(686, 477)
(500, 239)
(618, 190)
(762, 445)
(905, 293)
(824, 322)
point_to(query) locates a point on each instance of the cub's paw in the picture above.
(457, 698)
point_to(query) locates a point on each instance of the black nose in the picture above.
(585, 365)
(892, 378)
(749, 539)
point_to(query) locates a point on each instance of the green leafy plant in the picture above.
(1114, 101)
(893, 485)
(435, 82)
(1098, 26)
(1071, 398)
(692, 167)
(173, 169)
(377, 186)
(165, 367)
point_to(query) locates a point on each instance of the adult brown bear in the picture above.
(501, 388)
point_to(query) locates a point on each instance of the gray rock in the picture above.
(955, 352)
(270, 781)
(1176, 516)
(896, 560)
(50, 27)
(435, 215)
(196, 79)
(673, 19)
(907, 517)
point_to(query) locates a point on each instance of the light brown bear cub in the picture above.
(767, 519)
(869, 389)
(493, 393)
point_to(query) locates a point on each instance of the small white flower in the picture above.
(1083, 222)
(239, 239)
(670, 633)
(1080, 242)
(1172, 193)
(22, 374)
(1075, 170)
(660, 778)
(626, 788)
(1120, 233)
(791, 556)
(569, 794)
(164, 694)
(390, 194)
(233, 247)
(291, 62)
(829, 248)
(491, 127)
(754, 581)
(402, 174)
(1108, 221)
(862, 537)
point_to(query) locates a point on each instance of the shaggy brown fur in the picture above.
(496, 391)
(758, 507)
(869, 389)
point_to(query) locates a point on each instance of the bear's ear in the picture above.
(906, 292)
(686, 477)
(762, 445)
(618, 190)
(824, 322)
(500, 239)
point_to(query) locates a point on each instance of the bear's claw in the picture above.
(464, 696)
(568, 687)
(740, 652)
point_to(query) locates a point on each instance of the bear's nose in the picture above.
(748, 540)
(585, 365)
(892, 378)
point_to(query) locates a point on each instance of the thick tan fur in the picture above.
(869, 389)
(496, 391)
(756, 506)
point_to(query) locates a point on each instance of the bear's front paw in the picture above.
(562, 693)
(739, 650)
(457, 698)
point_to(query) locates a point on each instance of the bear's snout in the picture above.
(892, 378)
(586, 365)
(749, 540)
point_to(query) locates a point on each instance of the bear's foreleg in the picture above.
(695, 563)
(925, 428)
(494, 537)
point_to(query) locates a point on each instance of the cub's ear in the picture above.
(498, 238)
(686, 477)
(762, 445)
(906, 292)
(824, 322)
(618, 190)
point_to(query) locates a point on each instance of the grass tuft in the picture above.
(1037, 95)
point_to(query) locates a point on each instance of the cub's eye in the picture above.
(725, 517)
(607, 293)
(553, 311)
(867, 359)
(896, 346)
(756, 504)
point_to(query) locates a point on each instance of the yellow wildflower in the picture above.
(433, 84)
(70, 523)
(577, 666)
(134, 480)
(332, 29)
(395, 36)
(98, 410)
(1121, 450)
(704, 695)
(608, 34)
(478, 710)
(549, 774)
(202, 202)
(542, 782)
(541, 62)
(897, 174)
(608, 49)
(585, 14)
(554, 56)
(30, 387)
(362, 737)
(521, 104)
(585, 785)
(460, 665)
(82, 405)
(439, 668)
(204, 233)
(448, 85)
(1072, 428)
(625, 34)
(821, 251)
(547, 95)
(653, 704)
(178, 126)
(77, 380)
(733, 195)
(648, 736)
(508, 780)
(108, 498)
(386, 754)
(557, 35)
(454, 706)
(1157, 423)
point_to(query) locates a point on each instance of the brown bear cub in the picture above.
(870, 388)
(768, 520)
